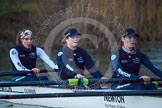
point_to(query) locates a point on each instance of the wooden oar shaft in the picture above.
(21, 73)
(86, 94)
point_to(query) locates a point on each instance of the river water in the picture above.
(5, 104)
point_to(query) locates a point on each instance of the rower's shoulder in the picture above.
(59, 52)
(115, 52)
(142, 53)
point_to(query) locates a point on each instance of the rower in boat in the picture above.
(126, 62)
(72, 59)
(24, 55)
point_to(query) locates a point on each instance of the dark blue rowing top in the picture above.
(125, 65)
(72, 62)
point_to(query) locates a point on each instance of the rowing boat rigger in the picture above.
(54, 96)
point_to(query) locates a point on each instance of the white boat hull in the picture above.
(104, 101)
(93, 102)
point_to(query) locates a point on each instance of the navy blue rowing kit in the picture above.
(127, 65)
(24, 59)
(72, 62)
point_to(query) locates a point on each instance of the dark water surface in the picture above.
(5, 104)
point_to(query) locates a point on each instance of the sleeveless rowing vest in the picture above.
(27, 57)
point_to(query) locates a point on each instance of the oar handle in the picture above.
(71, 82)
(156, 79)
(22, 73)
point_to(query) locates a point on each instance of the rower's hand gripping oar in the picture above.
(22, 73)
(69, 82)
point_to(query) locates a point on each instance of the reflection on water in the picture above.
(5, 104)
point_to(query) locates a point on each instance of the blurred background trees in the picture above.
(43, 15)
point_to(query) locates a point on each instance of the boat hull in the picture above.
(106, 99)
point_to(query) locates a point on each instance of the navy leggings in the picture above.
(134, 86)
(32, 78)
